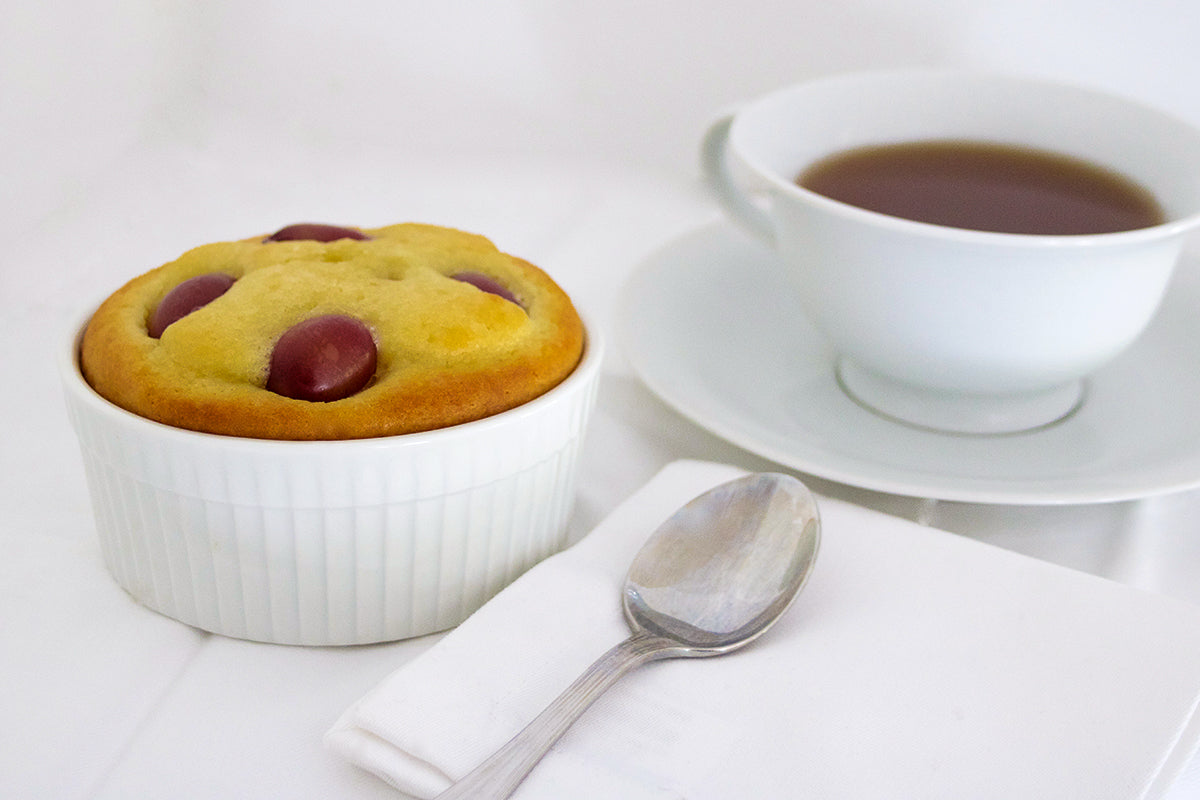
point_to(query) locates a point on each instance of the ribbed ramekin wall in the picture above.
(328, 576)
(325, 543)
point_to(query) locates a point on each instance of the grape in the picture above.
(486, 284)
(186, 298)
(322, 359)
(314, 231)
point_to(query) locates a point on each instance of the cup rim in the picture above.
(1164, 230)
(585, 371)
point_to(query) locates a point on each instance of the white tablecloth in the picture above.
(132, 135)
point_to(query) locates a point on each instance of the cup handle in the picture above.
(715, 162)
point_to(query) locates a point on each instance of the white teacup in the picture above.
(948, 328)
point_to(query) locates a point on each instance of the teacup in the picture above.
(949, 328)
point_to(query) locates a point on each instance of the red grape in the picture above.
(186, 298)
(322, 359)
(487, 284)
(315, 232)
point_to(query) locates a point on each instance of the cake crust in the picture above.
(448, 352)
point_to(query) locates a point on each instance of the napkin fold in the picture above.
(915, 664)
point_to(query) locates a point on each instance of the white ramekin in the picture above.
(330, 543)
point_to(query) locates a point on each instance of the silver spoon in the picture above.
(711, 579)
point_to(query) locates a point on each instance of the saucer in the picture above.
(708, 323)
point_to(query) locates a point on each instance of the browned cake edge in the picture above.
(112, 359)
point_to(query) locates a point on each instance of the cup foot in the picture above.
(961, 413)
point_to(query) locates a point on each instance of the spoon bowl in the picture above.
(712, 578)
(723, 568)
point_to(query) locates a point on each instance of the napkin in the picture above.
(915, 664)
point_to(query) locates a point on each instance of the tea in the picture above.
(985, 186)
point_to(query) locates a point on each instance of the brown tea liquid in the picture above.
(984, 186)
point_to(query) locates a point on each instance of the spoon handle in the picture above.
(501, 774)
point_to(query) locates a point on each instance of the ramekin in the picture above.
(330, 543)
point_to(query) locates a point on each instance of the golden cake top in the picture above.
(458, 329)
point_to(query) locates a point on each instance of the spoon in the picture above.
(710, 579)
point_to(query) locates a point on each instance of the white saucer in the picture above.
(708, 324)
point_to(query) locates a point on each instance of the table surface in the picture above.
(105, 699)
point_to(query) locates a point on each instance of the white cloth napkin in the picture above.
(915, 664)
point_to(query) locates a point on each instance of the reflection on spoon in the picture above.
(710, 579)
